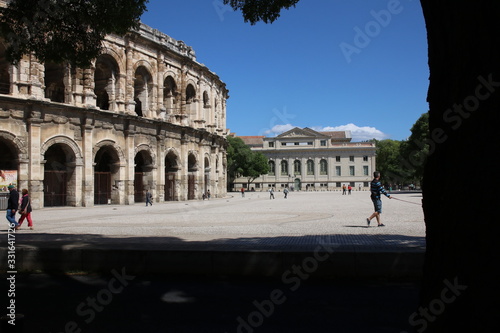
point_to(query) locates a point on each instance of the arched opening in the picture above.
(192, 168)
(54, 82)
(143, 167)
(8, 169)
(206, 100)
(105, 169)
(171, 168)
(4, 72)
(105, 77)
(190, 99)
(143, 91)
(170, 95)
(58, 175)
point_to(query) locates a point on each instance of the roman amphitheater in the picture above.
(145, 116)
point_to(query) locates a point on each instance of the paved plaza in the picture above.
(251, 222)
(241, 236)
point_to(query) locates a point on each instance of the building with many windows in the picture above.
(145, 116)
(304, 159)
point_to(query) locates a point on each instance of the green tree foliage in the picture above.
(260, 10)
(243, 162)
(65, 30)
(415, 150)
(389, 161)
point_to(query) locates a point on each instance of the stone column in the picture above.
(88, 164)
(34, 166)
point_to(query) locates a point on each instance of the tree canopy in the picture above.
(254, 11)
(243, 162)
(70, 30)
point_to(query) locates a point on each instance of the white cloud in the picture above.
(278, 129)
(358, 133)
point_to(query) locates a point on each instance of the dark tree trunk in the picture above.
(460, 291)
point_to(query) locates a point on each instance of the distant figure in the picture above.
(349, 189)
(344, 188)
(208, 194)
(376, 189)
(271, 193)
(242, 192)
(25, 209)
(149, 198)
(285, 191)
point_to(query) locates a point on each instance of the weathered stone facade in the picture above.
(304, 159)
(145, 116)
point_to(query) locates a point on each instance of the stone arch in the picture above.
(107, 82)
(144, 165)
(62, 160)
(192, 162)
(108, 158)
(172, 167)
(54, 81)
(143, 91)
(170, 95)
(206, 173)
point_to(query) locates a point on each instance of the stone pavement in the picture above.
(321, 232)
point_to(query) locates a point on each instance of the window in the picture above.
(310, 167)
(337, 158)
(296, 167)
(365, 170)
(338, 184)
(338, 171)
(272, 168)
(322, 143)
(284, 168)
(351, 170)
(351, 158)
(309, 143)
(365, 184)
(271, 144)
(365, 158)
(323, 167)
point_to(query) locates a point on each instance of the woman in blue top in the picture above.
(376, 189)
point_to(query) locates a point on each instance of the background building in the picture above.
(145, 116)
(303, 159)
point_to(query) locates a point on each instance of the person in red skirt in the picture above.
(25, 209)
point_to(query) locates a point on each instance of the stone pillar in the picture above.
(130, 173)
(34, 166)
(129, 86)
(88, 164)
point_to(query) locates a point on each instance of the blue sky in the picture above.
(359, 65)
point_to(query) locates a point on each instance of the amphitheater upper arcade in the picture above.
(145, 116)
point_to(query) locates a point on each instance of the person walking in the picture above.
(12, 206)
(25, 209)
(242, 192)
(271, 193)
(349, 189)
(344, 189)
(285, 192)
(149, 198)
(376, 189)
